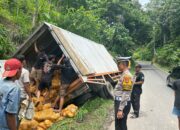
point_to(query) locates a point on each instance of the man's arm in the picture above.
(27, 90)
(141, 80)
(11, 121)
(123, 103)
(26, 82)
(55, 67)
(139, 83)
(60, 60)
(12, 108)
(35, 48)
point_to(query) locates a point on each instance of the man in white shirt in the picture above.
(24, 80)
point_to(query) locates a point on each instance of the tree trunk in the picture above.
(164, 38)
(35, 14)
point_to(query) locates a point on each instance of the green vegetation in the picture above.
(143, 53)
(165, 18)
(120, 25)
(91, 116)
(6, 45)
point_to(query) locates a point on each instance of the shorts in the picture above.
(44, 85)
(36, 73)
(63, 90)
(64, 80)
(176, 111)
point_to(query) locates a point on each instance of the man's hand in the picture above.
(120, 114)
(63, 56)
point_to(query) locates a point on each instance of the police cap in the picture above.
(121, 59)
(126, 60)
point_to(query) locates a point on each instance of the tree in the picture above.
(6, 46)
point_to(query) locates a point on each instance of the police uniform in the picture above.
(122, 99)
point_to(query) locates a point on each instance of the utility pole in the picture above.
(154, 47)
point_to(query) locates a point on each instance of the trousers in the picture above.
(121, 124)
(135, 100)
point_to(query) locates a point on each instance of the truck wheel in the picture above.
(82, 99)
(106, 91)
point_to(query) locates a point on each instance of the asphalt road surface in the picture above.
(156, 103)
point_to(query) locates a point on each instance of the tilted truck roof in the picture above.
(87, 56)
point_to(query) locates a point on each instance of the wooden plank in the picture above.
(74, 83)
(74, 86)
(68, 94)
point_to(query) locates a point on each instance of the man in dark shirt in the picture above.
(68, 75)
(47, 74)
(137, 91)
(176, 110)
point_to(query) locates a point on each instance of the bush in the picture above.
(143, 54)
(6, 46)
(169, 54)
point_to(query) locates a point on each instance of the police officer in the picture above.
(137, 90)
(122, 95)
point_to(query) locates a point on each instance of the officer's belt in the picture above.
(117, 98)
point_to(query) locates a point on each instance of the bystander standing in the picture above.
(10, 95)
(137, 91)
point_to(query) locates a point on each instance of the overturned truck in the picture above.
(95, 68)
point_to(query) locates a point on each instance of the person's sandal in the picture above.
(134, 116)
(132, 113)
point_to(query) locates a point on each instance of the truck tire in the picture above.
(106, 91)
(83, 98)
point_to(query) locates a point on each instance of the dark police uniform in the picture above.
(122, 99)
(136, 93)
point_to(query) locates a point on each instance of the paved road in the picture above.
(156, 103)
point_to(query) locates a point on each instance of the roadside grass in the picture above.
(164, 68)
(91, 116)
